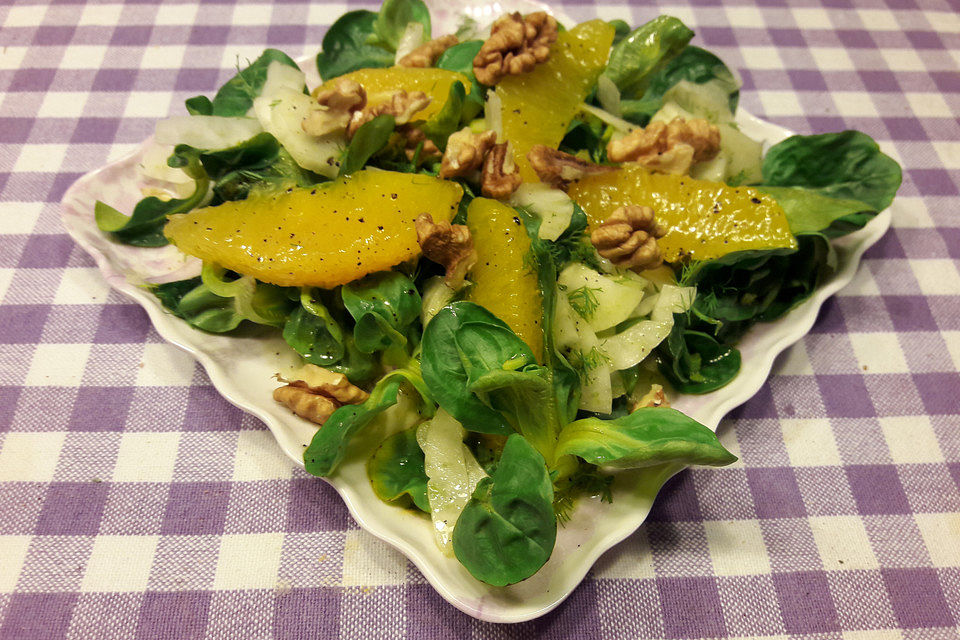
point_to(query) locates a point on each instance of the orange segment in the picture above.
(322, 236)
(538, 106)
(504, 283)
(704, 219)
(380, 84)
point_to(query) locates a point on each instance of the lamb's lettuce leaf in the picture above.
(347, 46)
(643, 438)
(396, 470)
(236, 96)
(508, 528)
(636, 59)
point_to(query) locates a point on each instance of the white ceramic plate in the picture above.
(241, 368)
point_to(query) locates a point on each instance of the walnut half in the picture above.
(315, 393)
(558, 169)
(450, 245)
(668, 148)
(339, 102)
(628, 238)
(426, 54)
(401, 105)
(465, 152)
(500, 177)
(516, 45)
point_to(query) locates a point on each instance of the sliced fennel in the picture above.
(411, 39)
(154, 165)
(281, 109)
(453, 474)
(206, 132)
(553, 206)
(709, 100)
(635, 343)
(603, 301)
(436, 295)
(621, 125)
(608, 94)
(573, 333)
(282, 76)
(492, 112)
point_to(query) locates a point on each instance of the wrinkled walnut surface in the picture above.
(500, 176)
(516, 45)
(314, 393)
(558, 169)
(628, 238)
(341, 101)
(401, 105)
(412, 137)
(450, 245)
(426, 54)
(668, 147)
(465, 152)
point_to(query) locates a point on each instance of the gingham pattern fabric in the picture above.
(136, 503)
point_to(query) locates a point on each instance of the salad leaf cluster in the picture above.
(829, 185)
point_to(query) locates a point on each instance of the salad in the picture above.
(527, 238)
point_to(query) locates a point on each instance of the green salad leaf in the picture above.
(460, 57)
(235, 97)
(144, 227)
(347, 46)
(396, 470)
(810, 211)
(218, 301)
(695, 362)
(313, 332)
(329, 444)
(636, 59)
(446, 372)
(384, 305)
(393, 18)
(260, 163)
(847, 165)
(508, 529)
(643, 438)
(692, 64)
(448, 119)
(370, 138)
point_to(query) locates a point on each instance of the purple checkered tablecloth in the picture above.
(137, 503)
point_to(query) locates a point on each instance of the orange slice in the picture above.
(704, 219)
(504, 283)
(322, 236)
(538, 106)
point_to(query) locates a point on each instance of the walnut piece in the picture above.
(340, 101)
(412, 137)
(668, 147)
(516, 45)
(628, 238)
(653, 398)
(315, 393)
(401, 105)
(426, 54)
(450, 245)
(465, 152)
(500, 177)
(558, 169)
